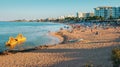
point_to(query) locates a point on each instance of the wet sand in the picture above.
(93, 49)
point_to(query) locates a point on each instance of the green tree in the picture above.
(110, 17)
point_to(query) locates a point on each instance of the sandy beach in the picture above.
(79, 48)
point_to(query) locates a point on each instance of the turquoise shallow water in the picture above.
(36, 33)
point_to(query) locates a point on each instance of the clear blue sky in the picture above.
(35, 9)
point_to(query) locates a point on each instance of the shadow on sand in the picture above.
(99, 57)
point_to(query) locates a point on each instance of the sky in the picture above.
(36, 9)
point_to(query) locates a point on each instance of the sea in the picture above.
(37, 33)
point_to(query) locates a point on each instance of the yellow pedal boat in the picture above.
(12, 42)
(20, 39)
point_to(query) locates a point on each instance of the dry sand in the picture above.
(94, 49)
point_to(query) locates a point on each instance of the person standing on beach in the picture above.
(91, 30)
(96, 33)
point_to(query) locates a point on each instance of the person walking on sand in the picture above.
(91, 30)
(96, 33)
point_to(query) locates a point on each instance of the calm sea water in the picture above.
(36, 33)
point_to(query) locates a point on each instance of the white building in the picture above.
(115, 12)
(61, 17)
(80, 15)
(84, 15)
(70, 15)
(105, 11)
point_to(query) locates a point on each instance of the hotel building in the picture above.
(104, 11)
(88, 15)
(107, 12)
(116, 12)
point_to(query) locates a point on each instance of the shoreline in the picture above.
(62, 35)
(54, 34)
(79, 53)
(57, 35)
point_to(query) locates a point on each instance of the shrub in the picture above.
(116, 57)
(89, 65)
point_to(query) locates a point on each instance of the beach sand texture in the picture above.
(93, 49)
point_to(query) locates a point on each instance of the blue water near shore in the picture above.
(37, 33)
